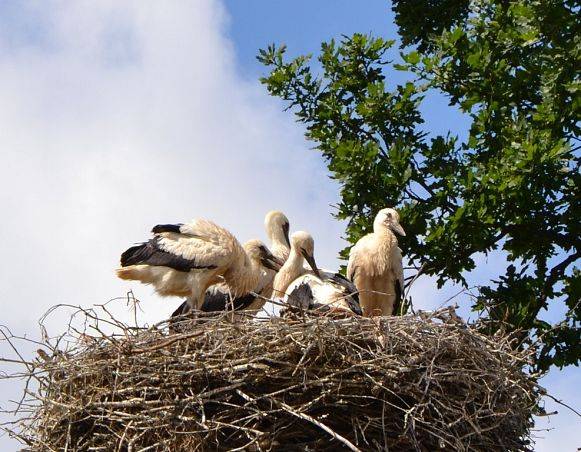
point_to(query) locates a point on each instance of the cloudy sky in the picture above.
(115, 116)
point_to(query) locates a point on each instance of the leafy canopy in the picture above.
(512, 185)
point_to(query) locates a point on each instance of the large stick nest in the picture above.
(423, 382)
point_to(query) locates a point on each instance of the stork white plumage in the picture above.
(302, 248)
(297, 286)
(277, 229)
(185, 259)
(375, 265)
(218, 297)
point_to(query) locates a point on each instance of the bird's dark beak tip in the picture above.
(311, 261)
(272, 262)
(398, 230)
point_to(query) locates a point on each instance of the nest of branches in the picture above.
(419, 382)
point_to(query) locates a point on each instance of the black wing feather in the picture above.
(349, 289)
(150, 253)
(182, 308)
(167, 228)
(338, 278)
(353, 302)
(398, 297)
(218, 300)
(301, 297)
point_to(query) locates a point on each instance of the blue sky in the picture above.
(119, 115)
(302, 25)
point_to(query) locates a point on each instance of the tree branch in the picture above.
(557, 271)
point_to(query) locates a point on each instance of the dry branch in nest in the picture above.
(422, 382)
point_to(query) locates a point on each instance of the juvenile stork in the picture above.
(218, 297)
(185, 259)
(375, 265)
(297, 286)
(277, 229)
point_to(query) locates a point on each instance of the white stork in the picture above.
(375, 265)
(297, 286)
(185, 259)
(277, 229)
(218, 297)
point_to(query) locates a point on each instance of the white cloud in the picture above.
(115, 116)
(133, 116)
(118, 116)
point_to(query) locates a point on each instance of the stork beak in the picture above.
(311, 260)
(396, 227)
(285, 230)
(272, 262)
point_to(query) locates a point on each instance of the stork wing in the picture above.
(167, 228)
(310, 292)
(397, 268)
(340, 280)
(183, 247)
(202, 242)
(217, 299)
(348, 290)
(352, 263)
(358, 255)
(180, 309)
(153, 253)
(300, 294)
(397, 265)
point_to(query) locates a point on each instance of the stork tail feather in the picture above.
(127, 273)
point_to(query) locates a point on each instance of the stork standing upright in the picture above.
(219, 298)
(375, 265)
(297, 286)
(185, 259)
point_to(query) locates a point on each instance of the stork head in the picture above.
(261, 255)
(388, 218)
(277, 227)
(302, 242)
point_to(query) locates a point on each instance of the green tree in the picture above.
(512, 185)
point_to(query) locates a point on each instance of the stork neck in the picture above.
(280, 249)
(382, 229)
(291, 270)
(385, 239)
(278, 244)
(295, 259)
